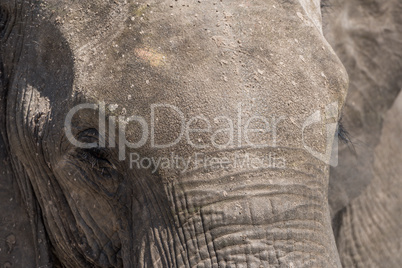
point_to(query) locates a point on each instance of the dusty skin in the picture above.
(74, 206)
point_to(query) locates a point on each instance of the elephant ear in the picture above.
(367, 37)
(22, 232)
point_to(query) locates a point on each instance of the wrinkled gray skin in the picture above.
(365, 190)
(87, 208)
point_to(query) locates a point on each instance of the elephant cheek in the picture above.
(82, 219)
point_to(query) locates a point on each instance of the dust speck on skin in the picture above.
(113, 107)
(10, 240)
(300, 15)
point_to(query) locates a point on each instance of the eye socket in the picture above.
(96, 167)
(89, 135)
(95, 155)
(98, 159)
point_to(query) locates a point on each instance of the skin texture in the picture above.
(204, 58)
(372, 59)
(365, 189)
(267, 58)
(370, 230)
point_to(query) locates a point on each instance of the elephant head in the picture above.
(172, 133)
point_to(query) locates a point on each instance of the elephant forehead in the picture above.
(85, 23)
(202, 57)
(160, 50)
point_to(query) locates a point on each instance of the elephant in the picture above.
(365, 189)
(192, 134)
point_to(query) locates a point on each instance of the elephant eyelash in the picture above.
(88, 135)
(344, 136)
(96, 157)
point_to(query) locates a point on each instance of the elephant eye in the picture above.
(98, 160)
(97, 166)
(95, 156)
(88, 136)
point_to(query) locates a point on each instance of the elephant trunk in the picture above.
(245, 216)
